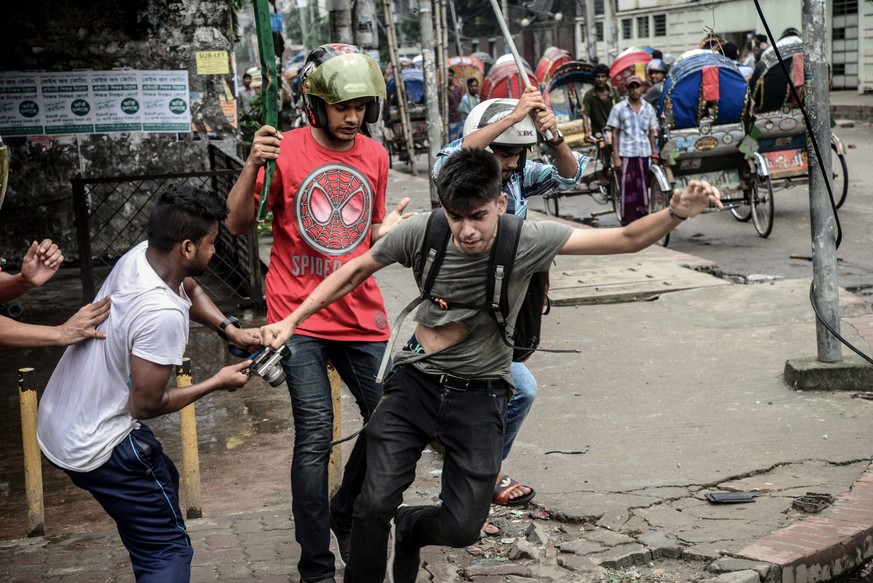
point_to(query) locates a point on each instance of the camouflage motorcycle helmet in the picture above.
(338, 72)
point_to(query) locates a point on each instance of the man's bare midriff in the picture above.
(440, 337)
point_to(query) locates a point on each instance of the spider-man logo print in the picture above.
(335, 209)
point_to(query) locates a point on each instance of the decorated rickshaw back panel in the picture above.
(703, 84)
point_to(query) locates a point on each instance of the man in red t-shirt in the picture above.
(328, 203)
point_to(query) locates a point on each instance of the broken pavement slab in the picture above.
(582, 280)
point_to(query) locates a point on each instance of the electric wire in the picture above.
(827, 181)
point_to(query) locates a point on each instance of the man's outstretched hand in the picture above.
(697, 196)
(394, 218)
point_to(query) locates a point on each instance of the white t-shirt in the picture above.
(83, 413)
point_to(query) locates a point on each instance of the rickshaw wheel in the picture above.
(839, 176)
(614, 193)
(659, 200)
(550, 205)
(387, 145)
(762, 206)
(742, 212)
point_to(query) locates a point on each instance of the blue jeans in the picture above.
(520, 404)
(415, 411)
(139, 488)
(306, 374)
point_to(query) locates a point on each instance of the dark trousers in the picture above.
(312, 408)
(138, 487)
(415, 411)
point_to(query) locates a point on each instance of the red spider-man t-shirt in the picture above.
(324, 204)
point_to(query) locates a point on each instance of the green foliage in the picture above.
(250, 117)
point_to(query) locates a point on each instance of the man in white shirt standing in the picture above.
(89, 416)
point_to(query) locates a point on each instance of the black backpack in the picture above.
(524, 335)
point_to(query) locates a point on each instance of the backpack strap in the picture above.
(433, 250)
(500, 270)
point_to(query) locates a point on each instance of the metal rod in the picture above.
(511, 44)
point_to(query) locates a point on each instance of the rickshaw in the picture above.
(702, 109)
(778, 125)
(630, 62)
(504, 80)
(392, 134)
(552, 59)
(467, 68)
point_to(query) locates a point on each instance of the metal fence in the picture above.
(112, 216)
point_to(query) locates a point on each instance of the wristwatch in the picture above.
(229, 321)
(556, 140)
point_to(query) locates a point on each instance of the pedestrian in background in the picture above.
(470, 98)
(634, 126)
(454, 93)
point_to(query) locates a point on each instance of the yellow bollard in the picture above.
(32, 460)
(335, 465)
(190, 454)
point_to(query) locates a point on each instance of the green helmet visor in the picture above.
(345, 77)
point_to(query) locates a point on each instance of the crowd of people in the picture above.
(454, 382)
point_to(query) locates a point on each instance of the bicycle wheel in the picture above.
(614, 193)
(839, 177)
(762, 206)
(658, 201)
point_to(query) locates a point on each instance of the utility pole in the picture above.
(400, 86)
(365, 25)
(364, 31)
(434, 120)
(609, 30)
(822, 222)
(304, 24)
(590, 31)
(339, 17)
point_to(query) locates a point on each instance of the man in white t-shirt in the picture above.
(89, 415)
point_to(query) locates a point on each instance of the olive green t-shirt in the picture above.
(462, 278)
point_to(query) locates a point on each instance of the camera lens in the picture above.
(275, 376)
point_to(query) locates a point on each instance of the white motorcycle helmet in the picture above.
(522, 133)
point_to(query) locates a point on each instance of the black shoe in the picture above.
(325, 580)
(342, 534)
(403, 562)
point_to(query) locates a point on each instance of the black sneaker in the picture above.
(342, 535)
(403, 561)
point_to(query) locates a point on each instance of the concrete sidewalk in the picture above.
(668, 399)
(851, 104)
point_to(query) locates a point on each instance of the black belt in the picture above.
(456, 383)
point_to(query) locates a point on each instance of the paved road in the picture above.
(737, 249)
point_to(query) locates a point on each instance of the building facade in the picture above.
(674, 26)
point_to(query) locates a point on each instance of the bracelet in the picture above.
(229, 321)
(674, 216)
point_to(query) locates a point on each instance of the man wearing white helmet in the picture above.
(328, 203)
(508, 128)
(657, 72)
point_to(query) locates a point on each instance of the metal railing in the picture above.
(112, 216)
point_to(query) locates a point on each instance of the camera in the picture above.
(267, 364)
